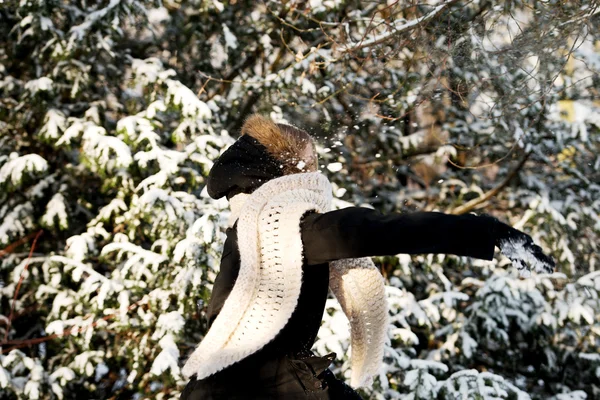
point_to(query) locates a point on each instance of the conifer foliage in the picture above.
(112, 112)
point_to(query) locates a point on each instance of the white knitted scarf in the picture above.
(267, 289)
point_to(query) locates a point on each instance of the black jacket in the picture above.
(286, 368)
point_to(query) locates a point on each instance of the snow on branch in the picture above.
(102, 147)
(79, 31)
(396, 30)
(43, 84)
(54, 124)
(134, 255)
(56, 210)
(14, 170)
(16, 222)
(180, 95)
(79, 269)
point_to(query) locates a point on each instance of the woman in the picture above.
(285, 247)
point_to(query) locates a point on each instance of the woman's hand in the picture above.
(520, 249)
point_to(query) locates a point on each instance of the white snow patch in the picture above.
(168, 358)
(525, 260)
(56, 208)
(54, 124)
(230, 39)
(17, 166)
(182, 96)
(335, 167)
(43, 84)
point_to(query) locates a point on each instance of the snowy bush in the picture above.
(113, 111)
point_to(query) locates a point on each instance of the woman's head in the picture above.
(291, 146)
(265, 151)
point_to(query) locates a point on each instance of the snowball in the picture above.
(516, 251)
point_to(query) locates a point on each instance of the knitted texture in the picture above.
(359, 287)
(267, 289)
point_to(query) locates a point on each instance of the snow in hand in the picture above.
(524, 256)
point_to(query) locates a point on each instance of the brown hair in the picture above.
(286, 143)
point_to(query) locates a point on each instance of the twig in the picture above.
(9, 249)
(594, 11)
(12, 309)
(470, 205)
(399, 29)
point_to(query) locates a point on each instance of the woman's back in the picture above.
(285, 367)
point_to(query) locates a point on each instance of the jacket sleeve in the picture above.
(361, 232)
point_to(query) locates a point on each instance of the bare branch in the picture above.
(378, 39)
(585, 16)
(470, 205)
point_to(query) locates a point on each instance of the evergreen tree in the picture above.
(112, 112)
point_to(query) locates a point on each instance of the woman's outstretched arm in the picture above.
(361, 232)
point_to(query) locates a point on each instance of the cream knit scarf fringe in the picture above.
(268, 285)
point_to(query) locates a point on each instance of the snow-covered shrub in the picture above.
(113, 111)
